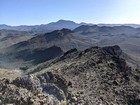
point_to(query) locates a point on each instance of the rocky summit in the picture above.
(95, 76)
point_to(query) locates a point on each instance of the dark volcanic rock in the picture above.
(114, 50)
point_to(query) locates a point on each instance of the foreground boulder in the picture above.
(30, 90)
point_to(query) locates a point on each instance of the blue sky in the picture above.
(30, 12)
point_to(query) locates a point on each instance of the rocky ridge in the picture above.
(95, 76)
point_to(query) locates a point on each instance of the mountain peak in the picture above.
(64, 21)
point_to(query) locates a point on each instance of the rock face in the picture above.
(33, 90)
(56, 79)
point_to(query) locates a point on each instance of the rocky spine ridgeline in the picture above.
(95, 76)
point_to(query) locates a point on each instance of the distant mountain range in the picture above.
(57, 25)
(28, 50)
(44, 27)
(64, 38)
(106, 30)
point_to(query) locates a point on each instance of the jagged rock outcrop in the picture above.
(29, 82)
(56, 79)
(33, 90)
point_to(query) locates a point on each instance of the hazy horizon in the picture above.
(36, 12)
(73, 21)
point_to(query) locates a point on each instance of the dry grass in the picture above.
(10, 74)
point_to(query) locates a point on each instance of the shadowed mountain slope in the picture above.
(65, 38)
(27, 58)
